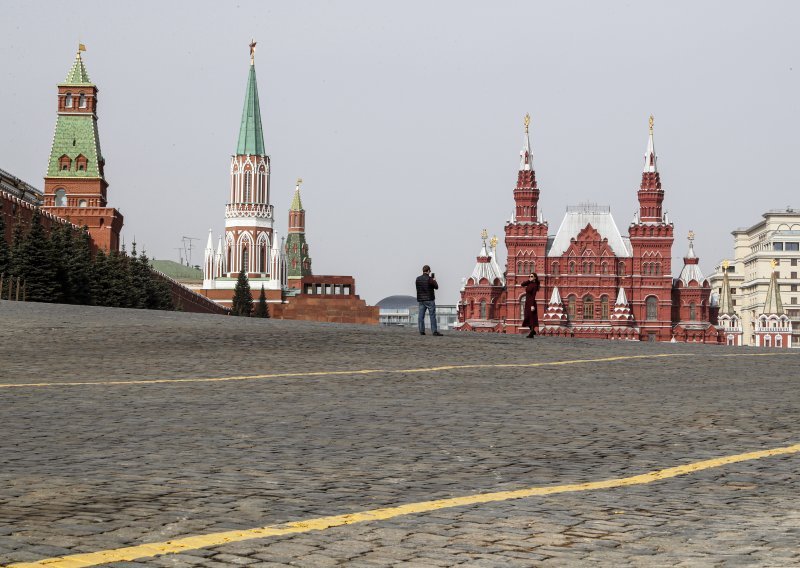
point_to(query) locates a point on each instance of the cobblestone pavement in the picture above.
(101, 466)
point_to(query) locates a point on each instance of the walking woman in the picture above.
(531, 318)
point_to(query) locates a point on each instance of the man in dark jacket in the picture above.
(426, 284)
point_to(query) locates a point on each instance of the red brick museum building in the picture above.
(595, 282)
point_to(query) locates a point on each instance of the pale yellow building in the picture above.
(776, 237)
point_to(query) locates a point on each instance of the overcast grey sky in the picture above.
(405, 119)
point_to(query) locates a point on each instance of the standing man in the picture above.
(426, 284)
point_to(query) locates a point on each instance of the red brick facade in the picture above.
(584, 268)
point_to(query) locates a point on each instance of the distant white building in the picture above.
(403, 311)
(762, 275)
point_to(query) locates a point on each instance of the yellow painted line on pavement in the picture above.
(374, 371)
(321, 523)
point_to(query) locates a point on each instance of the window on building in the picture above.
(777, 246)
(82, 203)
(346, 289)
(571, 267)
(263, 256)
(604, 307)
(767, 341)
(588, 307)
(793, 300)
(318, 288)
(692, 311)
(733, 291)
(778, 341)
(571, 307)
(793, 247)
(604, 268)
(555, 269)
(734, 302)
(658, 268)
(483, 309)
(621, 269)
(793, 287)
(82, 101)
(794, 262)
(61, 198)
(651, 305)
(245, 260)
(794, 275)
(247, 186)
(68, 100)
(777, 262)
(309, 289)
(591, 268)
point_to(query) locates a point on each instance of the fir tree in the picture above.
(242, 304)
(119, 280)
(17, 237)
(159, 294)
(5, 249)
(100, 282)
(35, 263)
(60, 253)
(262, 310)
(79, 266)
(140, 275)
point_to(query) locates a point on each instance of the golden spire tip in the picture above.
(527, 121)
(652, 120)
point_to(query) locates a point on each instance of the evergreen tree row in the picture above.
(60, 268)
(242, 304)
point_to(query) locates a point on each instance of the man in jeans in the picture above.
(426, 284)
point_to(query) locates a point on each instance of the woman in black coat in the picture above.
(531, 318)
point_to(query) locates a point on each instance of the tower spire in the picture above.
(525, 158)
(526, 194)
(773, 303)
(726, 301)
(650, 155)
(251, 135)
(651, 196)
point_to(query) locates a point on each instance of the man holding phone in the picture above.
(426, 284)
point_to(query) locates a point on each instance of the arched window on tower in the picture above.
(61, 198)
(591, 268)
(554, 271)
(572, 267)
(604, 267)
(692, 311)
(658, 268)
(64, 163)
(604, 307)
(247, 189)
(263, 255)
(571, 307)
(245, 259)
(68, 100)
(82, 101)
(588, 307)
(621, 269)
(483, 309)
(651, 306)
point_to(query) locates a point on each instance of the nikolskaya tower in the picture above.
(250, 242)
